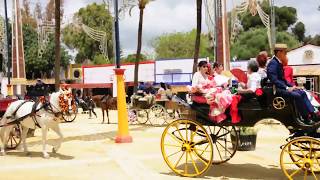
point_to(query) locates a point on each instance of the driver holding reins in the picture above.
(285, 89)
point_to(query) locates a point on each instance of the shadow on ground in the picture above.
(39, 154)
(241, 171)
(89, 137)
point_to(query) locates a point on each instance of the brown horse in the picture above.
(106, 103)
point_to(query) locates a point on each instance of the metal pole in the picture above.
(116, 28)
(215, 31)
(273, 25)
(7, 35)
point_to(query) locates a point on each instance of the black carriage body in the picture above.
(253, 108)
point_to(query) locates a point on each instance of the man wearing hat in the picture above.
(283, 88)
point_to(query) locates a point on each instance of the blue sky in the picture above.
(167, 16)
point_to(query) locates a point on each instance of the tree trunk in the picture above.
(138, 55)
(198, 37)
(57, 45)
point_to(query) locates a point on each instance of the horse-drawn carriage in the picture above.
(15, 135)
(190, 145)
(157, 112)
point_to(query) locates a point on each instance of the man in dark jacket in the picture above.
(285, 89)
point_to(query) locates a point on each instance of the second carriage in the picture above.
(157, 112)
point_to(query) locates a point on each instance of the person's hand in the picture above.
(242, 85)
(290, 89)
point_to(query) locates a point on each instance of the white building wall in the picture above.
(299, 56)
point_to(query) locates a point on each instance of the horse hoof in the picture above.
(3, 153)
(54, 150)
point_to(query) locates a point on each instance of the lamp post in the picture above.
(123, 126)
(9, 86)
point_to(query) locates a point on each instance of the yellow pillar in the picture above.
(9, 90)
(123, 126)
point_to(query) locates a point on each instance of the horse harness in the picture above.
(33, 114)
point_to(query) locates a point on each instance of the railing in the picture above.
(174, 78)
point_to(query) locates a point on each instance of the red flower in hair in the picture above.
(259, 92)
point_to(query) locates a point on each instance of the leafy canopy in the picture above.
(36, 66)
(180, 45)
(97, 17)
(285, 17)
(251, 42)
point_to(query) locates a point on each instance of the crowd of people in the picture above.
(210, 87)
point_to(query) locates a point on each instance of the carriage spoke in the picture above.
(224, 147)
(305, 174)
(14, 139)
(203, 150)
(218, 151)
(291, 153)
(179, 133)
(186, 164)
(301, 150)
(194, 164)
(172, 145)
(179, 160)
(313, 174)
(187, 139)
(193, 133)
(174, 153)
(296, 162)
(295, 172)
(176, 138)
(198, 155)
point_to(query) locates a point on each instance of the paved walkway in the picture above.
(89, 152)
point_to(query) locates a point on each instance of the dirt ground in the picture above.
(89, 153)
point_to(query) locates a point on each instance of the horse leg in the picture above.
(23, 138)
(108, 115)
(102, 116)
(44, 130)
(56, 128)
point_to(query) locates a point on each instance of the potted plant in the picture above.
(247, 138)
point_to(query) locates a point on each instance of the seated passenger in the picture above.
(283, 88)
(262, 59)
(206, 93)
(250, 87)
(219, 78)
(161, 94)
(254, 79)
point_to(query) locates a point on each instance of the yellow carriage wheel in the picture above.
(187, 148)
(300, 158)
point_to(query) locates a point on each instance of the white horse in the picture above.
(45, 115)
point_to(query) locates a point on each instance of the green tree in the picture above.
(299, 31)
(198, 36)
(97, 17)
(251, 42)
(132, 58)
(181, 45)
(142, 5)
(285, 17)
(313, 40)
(37, 66)
(100, 59)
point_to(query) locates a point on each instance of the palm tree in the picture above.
(57, 45)
(141, 4)
(197, 43)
